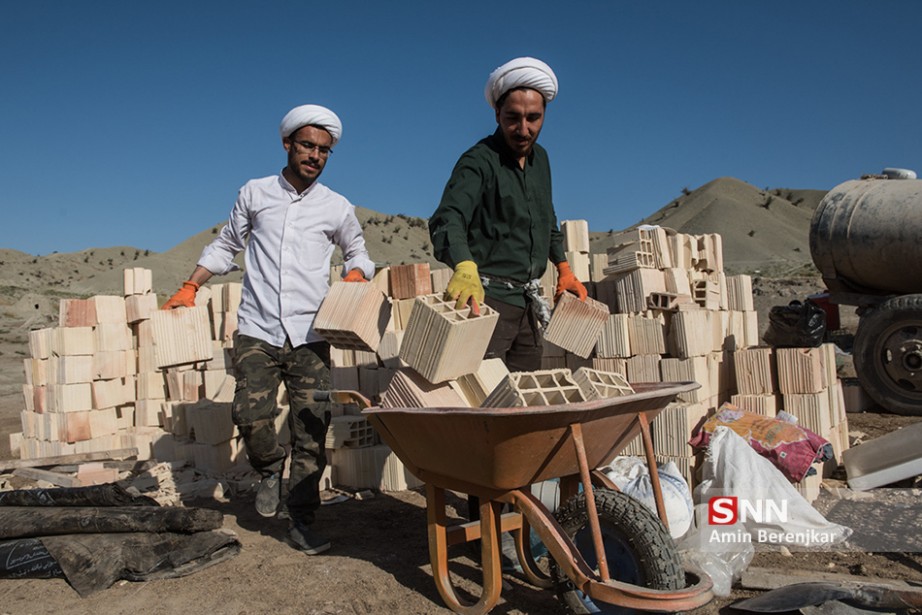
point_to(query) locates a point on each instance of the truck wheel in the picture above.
(888, 354)
(638, 548)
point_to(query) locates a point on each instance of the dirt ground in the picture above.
(379, 560)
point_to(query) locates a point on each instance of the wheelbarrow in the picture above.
(497, 453)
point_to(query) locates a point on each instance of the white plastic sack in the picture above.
(633, 479)
(733, 468)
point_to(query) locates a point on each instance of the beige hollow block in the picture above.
(181, 335)
(613, 365)
(103, 422)
(647, 334)
(110, 393)
(643, 368)
(360, 468)
(192, 385)
(74, 341)
(36, 371)
(673, 428)
(143, 334)
(15, 444)
(401, 310)
(760, 404)
(76, 313)
(411, 280)
(125, 416)
(70, 397)
(151, 385)
(811, 410)
(42, 342)
(353, 315)
(597, 265)
(597, 384)
(216, 458)
(580, 265)
(475, 388)
(382, 280)
(113, 364)
(443, 343)
(70, 369)
(232, 294)
(147, 413)
(692, 369)
(112, 336)
(635, 287)
(137, 281)
(75, 426)
(801, 370)
(540, 388)
(109, 309)
(690, 334)
(350, 431)
(211, 422)
(38, 395)
(219, 385)
(439, 279)
(755, 371)
(408, 389)
(140, 307)
(575, 235)
(576, 325)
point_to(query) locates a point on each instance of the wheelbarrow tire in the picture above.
(638, 547)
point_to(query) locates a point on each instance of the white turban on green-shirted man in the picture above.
(311, 115)
(521, 73)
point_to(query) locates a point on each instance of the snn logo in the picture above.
(729, 509)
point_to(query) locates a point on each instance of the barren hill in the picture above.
(763, 230)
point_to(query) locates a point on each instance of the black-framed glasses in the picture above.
(307, 146)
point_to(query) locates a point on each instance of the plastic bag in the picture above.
(796, 325)
(632, 478)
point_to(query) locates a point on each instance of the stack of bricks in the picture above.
(674, 315)
(120, 373)
(803, 383)
(576, 247)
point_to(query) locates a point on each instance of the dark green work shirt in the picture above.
(499, 216)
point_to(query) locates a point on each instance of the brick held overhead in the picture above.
(353, 316)
(443, 343)
(576, 325)
(181, 335)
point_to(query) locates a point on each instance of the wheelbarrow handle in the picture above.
(342, 397)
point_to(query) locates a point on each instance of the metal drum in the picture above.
(866, 237)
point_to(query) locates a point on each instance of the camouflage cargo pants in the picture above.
(260, 368)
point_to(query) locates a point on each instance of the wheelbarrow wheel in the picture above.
(638, 548)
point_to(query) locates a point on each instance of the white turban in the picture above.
(521, 72)
(311, 115)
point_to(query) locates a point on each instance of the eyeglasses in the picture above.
(306, 146)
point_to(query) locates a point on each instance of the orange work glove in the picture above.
(184, 297)
(566, 281)
(355, 275)
(465, 286)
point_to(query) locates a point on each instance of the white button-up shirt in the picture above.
(291, 239)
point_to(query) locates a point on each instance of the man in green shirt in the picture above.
(496, 225)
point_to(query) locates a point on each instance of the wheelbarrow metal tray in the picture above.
(499, 449)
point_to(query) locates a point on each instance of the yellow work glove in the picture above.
(184, 297)
(465, 286)
(566, 281)
(355, 275)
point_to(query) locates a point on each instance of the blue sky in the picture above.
(128, 123)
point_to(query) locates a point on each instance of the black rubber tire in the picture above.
(638, 547)
(888, 354)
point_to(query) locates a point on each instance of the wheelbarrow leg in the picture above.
(489, 553)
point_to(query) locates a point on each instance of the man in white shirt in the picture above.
(292, 223)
